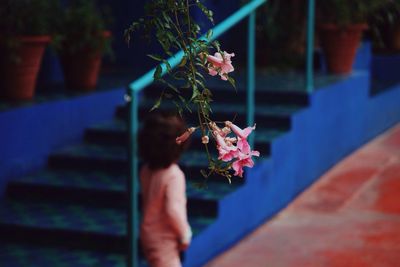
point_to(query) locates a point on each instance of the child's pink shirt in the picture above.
(164, 222)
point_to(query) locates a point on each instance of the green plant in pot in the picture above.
(341, 24)
(385, 27)
(83, 39)
(25, 27)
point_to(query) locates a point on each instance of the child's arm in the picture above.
(176, 208)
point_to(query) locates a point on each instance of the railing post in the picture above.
(310, 46)
(133, 162)
(251, 47)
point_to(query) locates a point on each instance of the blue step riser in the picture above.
(95, 198)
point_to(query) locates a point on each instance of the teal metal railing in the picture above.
(310, 46)
(138, 85)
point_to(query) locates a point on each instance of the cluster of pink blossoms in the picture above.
(235, 149)
(220, 64)
(230, 149)
(241, 153)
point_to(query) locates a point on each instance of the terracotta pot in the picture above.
(18, 76)
(81, 69)
(339, 45)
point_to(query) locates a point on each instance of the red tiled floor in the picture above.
(349, 218)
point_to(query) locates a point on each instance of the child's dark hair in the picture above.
(157, 145)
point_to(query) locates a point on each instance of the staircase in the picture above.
(73, 213)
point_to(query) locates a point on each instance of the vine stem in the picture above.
(203, 132)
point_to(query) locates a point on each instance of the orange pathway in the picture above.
(349, 218)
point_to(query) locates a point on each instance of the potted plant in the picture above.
(24, 35)
(82, 41)
(385, 27)
(341, 24)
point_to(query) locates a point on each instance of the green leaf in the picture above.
(232, 82)
(169, 68)
(179, 108)
(209, 34)
(204, 173)
(183, 62)
(171, 86)
(155, 57)
(157, 73)
(157, 103)
(185, 103)
(200, 83)
(195, 94)
(200, 75)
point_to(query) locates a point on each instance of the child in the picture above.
(165, 230)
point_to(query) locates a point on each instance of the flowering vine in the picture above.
(175, 29)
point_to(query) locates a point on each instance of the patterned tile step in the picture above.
(114, 158)
(114, 133)
(73, 226)
(25, 255)
(98, 188)
(266, 116)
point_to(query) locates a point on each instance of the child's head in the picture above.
(157, 145)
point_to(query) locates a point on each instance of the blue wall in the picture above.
(386, 67)
(30, 133)
(340, 118)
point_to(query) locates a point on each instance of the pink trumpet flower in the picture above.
(222, 132)
(241, 133)
(183, 137)
(220, 64)
(226, 152)
(244, 160)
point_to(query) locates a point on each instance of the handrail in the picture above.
(139, 84)
(310, 46)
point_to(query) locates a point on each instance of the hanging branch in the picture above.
(175, 29)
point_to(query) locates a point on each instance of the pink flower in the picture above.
(183, 137)
(222, 132)
(226, 152)
(205, 139)
(241, 133)
(244, 160)
(220, 64)
(230, 140)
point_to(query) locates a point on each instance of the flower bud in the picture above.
(183, 137)
(205, 139)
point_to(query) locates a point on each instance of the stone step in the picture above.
(101, 189)
(114, 133)
(29, 255)
(223, 94)
(114, 159)
(71, 226)
(266, 117)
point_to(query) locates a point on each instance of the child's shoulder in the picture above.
(175, 170)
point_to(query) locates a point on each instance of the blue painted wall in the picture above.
(30, 133)
(386, 67)
(340, 118)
